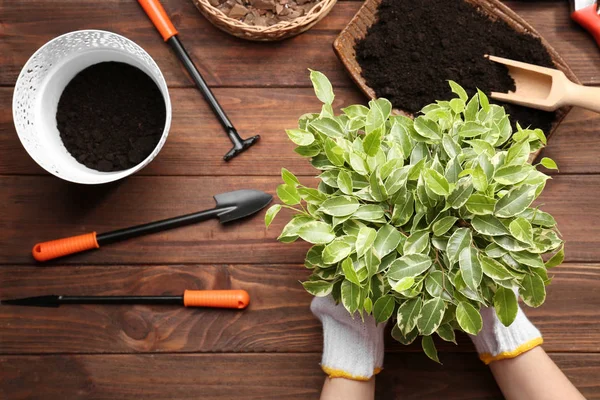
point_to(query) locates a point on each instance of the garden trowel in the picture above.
(230, 206)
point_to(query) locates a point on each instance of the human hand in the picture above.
(498, 342)
(352, 349)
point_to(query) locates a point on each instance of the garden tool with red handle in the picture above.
(587, 14)
(163, 24)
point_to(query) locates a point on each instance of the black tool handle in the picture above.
(200, 82)
(152, 227)
(120, 300)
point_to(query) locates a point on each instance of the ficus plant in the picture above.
(421, 221)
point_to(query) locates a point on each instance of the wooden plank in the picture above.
(196, 142)
(277, 320)
(38, 209)
(228, 61)
(255, 376)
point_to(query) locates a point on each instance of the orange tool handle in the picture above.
(216, 298)
(63, 247)
(589, 19)
(159, 18)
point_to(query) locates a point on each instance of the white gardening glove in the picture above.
(498, 342)
(351, 349)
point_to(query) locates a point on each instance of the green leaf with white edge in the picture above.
(471, 129)
(316, 232)
(479, 204)
(372, 143)
(521, 229)
(400, 134)
(506, 306)
(351, 296)
(364, 240)
(427, 128)
(336, 251)
(460, 239)
(372, 261)
(356, 111)
(402, 338)
(409, 266)
(436, 182)
(387, 240)
(482, 147)
(377, 188)
(446, 332)
(312, 196)
(334, 153)
(383, 308)
(518, 153)
(515, 201)
(375, 118)
(509, 243)
(271, 213)
(457, 105)
(322, 86)
(556, 259)
(431, 316)
(328, 126)
(456, 88)
(349, 271)
(527, 258)
(489, 225)
(408, 314)
(443, 225)
(358, 164)
(416, 243)
(511, 174)
(289, 178)
(318, 288)
(339, 206)
(494, 251)
(549, 163)
(300, 137)
(429, 348)
(288, 194)
(533, 290)
(308, 151)
(403, 284)
(461, 193)
(483, 101)
(470, 268)
(494, 269)
(479, 179)
(396, 180)
(471, 109)
(453, 170)
(468, 318)
(434, 283)
(344, 182)
(403, 210)
(369, 212)
(538, 217)
(368, 305)
(450, 146)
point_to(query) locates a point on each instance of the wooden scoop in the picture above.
(545, 88)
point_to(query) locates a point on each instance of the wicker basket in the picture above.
(279, 31)
(367, 15)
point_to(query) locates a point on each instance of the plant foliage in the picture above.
(421, 221)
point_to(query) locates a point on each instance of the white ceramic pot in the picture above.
(41, 83)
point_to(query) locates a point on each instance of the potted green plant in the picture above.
(421, 221)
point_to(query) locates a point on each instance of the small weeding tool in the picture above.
(587, 14)
(230, 206)
(163, 24)
(545, 88)
(238, 299)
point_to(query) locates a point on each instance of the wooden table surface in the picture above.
(272, 349)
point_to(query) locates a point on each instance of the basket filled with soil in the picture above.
(407, 51)
(264, 20)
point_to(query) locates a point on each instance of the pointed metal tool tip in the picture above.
(38, 301)
(241, 203)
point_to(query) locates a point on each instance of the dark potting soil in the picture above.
(111, 116)
(415, 47)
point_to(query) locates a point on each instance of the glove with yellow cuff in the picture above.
(498, 342)
(352, 349)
